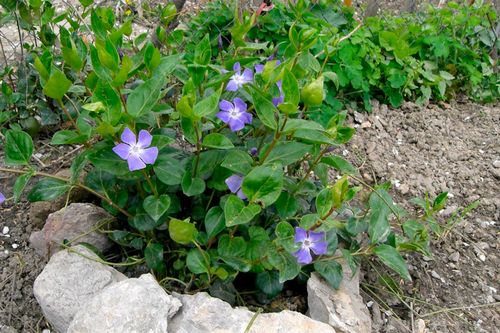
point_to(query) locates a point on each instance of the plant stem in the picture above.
(65, 110)
(198, 150)
(275, 140)
(150, 183)
(311, 167)
(67, 180)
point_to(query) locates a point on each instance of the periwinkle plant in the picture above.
(232, 176)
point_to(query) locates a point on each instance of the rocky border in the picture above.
(77, 293)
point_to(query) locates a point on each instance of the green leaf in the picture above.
(285, 263)
(214, 221)
(192, 186)
(57, 85)
(197, 261)
(287, 152)
(207, 106)
(232, 251)
(156, 207)
(169, 170)
(143, 222)
(154, 257)
(47, 190)
(440, 201)
(286, 205)
(66, 137)
(391, 257)
(265, 109)
(203, 51)
(217, 141)
(235, 211)
(340, 164)
(182, 232)
(142, 99)
(238, 161)
(331, 271)
(18, 147)
(290, 88)
(285, 236)
(324, 202)
(20, 184)
(263, 184)
(268, 282)
(379, 227)
(106, 160)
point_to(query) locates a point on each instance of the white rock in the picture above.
(132, 306)
(78, 221)
(68, 281)
(5, 230)
(343, 309)
(201, 313)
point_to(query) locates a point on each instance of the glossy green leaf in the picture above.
(57, 85)
(156, 206)
(217, 141)
(208, 106)
(197, 261)
(340, 164)
(236, 212)
(331, 271)
(18, 147)
(268, 282)
(192, 186)
(287, 152)
(379, 227)
(48, 189)
(182, 232)
(264, 184)
(214, 221)
(265, 109)
(238, 161)
(154, 257)
(169, 170)
(20, 184)
(391, 257)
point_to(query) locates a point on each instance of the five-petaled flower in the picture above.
(135, 151)
(239, 79)
(234, 115)
(310, 241)
(234, 184)
(2, 198)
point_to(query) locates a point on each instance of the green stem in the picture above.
(148, 179)
(275, 140)
(67, 180)
(198, 150)
(65, 110)
(308, 172)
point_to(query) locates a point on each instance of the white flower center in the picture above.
(238, 79)
(234, 113)
(306, 243)
(135, 150)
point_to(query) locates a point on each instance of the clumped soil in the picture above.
(453, 148)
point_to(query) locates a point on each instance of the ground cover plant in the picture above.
(216, 148)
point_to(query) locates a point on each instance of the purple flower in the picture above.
(234, 183)
(2, 198)
(310, 240)
(136, 152)
(254, 151)
(278, 100)
(259, 68)
(234, 114)
(238, 79)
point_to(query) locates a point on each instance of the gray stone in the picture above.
(7, 329)
(344, 308)
(132, 306)
(202, 313)
(77, 223)
(68, 281)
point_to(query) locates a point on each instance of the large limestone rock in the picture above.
(132, 306)
(78, 222)
(344, 308)
(68, 281)
(202, 313)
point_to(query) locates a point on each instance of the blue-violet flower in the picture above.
(136, 152)
(278, 100)
(234, 184)
(310, 241)
(234, 115)
(2, 198)
(238, 79)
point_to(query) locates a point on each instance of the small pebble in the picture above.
(455, 256)
(496, 163)
(5, 230)
(15, 246)
(435, 275)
